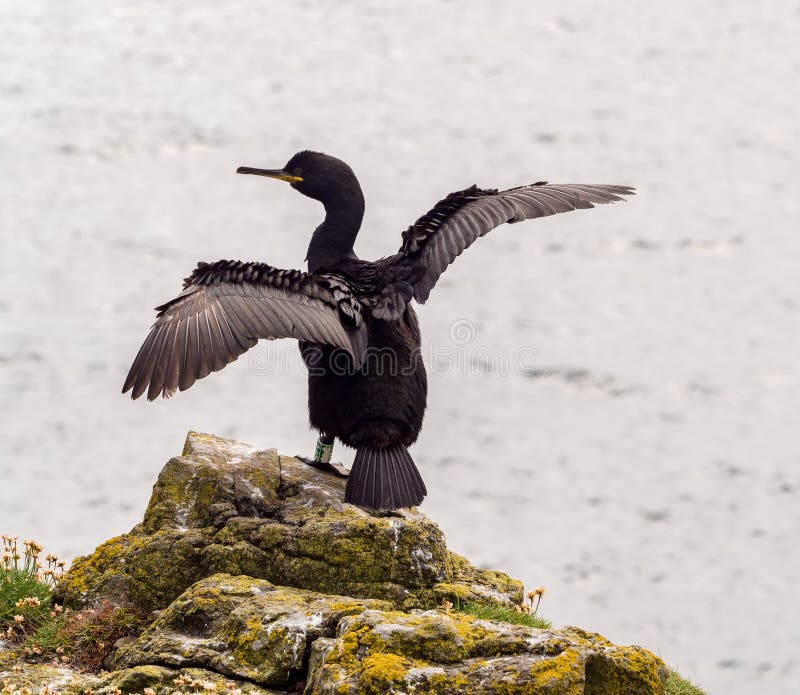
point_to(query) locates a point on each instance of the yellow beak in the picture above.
(271, 173)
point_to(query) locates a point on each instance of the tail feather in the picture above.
(384, 479)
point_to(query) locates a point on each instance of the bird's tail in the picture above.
(384, 479)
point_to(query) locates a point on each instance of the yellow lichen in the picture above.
(445, 683)
(86, 571)
(564, 670)
(621, 670)
(242, 643)
(379, 672)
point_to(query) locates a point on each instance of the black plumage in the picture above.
(358, 332)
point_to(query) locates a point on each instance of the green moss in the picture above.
(453, 592)
(265, 534)
(372, 550)
(87, 572)
(623, 670)
(483, 586)
(149, 571)
(194, 490)
(174, 495)
(238, 558)
(677, 685)
(433, 640)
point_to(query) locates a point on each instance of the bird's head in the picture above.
(316, 175)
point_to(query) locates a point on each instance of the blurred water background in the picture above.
(643, 467)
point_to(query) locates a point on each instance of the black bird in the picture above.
(358, 332)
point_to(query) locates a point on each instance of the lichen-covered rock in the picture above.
(235, 632)
(260, 579)
(379, 652)
(166, 681)
(225, 507)
(243, 628)
(468, 583)
(45, 678)
(16, 674)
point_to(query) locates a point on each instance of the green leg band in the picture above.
(323, 452)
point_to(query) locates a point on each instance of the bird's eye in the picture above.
(297, 171)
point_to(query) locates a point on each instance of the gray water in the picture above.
(643, 466)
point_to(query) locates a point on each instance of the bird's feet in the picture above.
(326, 466)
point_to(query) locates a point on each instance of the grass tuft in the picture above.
(676, 685)
(29, 618)
(505, 615)
(89, 635)
(26, 588)
(46, 639)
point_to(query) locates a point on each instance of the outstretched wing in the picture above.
(437, 238)
(226, 307)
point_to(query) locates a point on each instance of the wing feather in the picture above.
(233, 317)
(191, 358)
(239, 310)
(279, 315)
(217, 339)
(161, 361)
(206, 345)
(172, 370)
(140, 363)
(437, 238)
(220, 315)
(230, 345)
(270, 319)
(140, 379)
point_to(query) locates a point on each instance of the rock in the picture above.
(436, 652)
(225, 507)
(259, 579)
(243, 628)
(164, 680)
(35, 677)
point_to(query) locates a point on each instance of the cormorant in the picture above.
(358, 332)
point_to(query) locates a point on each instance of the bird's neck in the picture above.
(333, 240)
